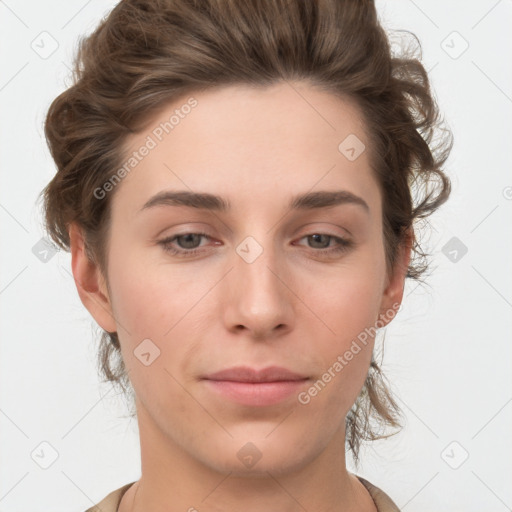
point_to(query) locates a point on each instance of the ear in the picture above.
(394, 290)
(89, 281)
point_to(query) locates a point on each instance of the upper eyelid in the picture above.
(310, 233)
(309, 230)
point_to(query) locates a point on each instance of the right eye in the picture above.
(190, 241)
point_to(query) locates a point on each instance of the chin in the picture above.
(257, 456)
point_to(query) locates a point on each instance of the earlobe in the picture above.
(393, 294)
(90, 283)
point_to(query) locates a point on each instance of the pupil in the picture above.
(315, 237)
(189, 240)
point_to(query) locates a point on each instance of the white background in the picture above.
(447, 354)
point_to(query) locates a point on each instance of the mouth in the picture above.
(248, 386)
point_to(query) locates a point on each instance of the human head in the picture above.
(146, 55)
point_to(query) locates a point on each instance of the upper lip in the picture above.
(247, 374)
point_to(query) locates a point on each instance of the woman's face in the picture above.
(290, 273)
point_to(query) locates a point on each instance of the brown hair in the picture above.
(148, 53)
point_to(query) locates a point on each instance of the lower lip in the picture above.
(257, 393)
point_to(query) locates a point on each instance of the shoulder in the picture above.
(382, 501)
(111, 501)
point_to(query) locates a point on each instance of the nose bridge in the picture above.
(260, 300)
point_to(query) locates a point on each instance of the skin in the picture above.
(293, 306)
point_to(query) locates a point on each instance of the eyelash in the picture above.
(343, 245)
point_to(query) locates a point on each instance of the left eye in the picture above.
(318, 236)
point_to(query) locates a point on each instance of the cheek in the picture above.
(349, 298)
(350, 313)
(151, 310)
(349, 306)
(148, 300)
(155, 303)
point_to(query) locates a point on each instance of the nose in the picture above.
(259, 297)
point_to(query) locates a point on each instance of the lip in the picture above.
(248, 374)
(248, 386)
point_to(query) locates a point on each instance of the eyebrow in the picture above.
(206, 201)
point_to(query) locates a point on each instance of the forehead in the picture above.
(250, 143)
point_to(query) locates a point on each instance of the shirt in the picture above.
(382, 501)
